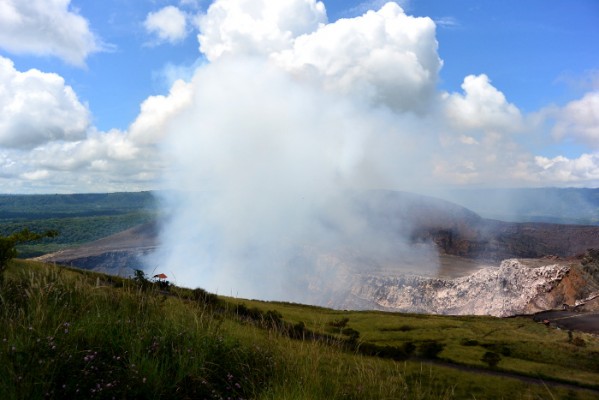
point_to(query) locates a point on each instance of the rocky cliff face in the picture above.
(119, 262)
(516, 287)
(118, 254)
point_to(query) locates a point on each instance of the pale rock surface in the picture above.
(515, 287)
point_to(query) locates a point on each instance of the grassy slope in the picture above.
(74, 334)
(525, 347)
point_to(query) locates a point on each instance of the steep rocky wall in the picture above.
(120, 262)
(513, 288)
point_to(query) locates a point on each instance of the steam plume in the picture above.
(271, 151)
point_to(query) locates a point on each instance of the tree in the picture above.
(141, 278)
(8, 244)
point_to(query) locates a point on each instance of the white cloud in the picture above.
(232, 27)
(447, 22)
(48, 145)
(356, 99)
(36, 175)
(481, 107)
(579, 119)
(169, 24)
(100, 162)
(384, 57)
(37, 107)
(171, 73)
(563, 170)
(190, 3)
(46, 27)
(468, 140)
(368, 5)
(157, 111)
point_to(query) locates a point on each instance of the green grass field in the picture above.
(75, 334)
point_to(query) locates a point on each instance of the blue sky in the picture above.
(542, 56)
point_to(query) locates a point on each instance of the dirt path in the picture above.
(571, 320)
(507, 374)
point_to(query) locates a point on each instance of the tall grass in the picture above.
(63, 337)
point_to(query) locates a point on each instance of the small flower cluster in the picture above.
(232, 389)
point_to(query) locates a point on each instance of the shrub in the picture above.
(204, 297)
(500, 348)
(253, 314)
(340, 323)
(352, 334)
(391, 352)
(402, 328)
(430, 349)
(273, 319)
(491, 359)
(469, 342)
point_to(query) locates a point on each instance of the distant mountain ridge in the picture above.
(552, 205)
(454, 230)
(40, 206)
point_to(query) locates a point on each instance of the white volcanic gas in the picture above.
(289, 117)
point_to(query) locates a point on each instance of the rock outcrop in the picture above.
(516, 287)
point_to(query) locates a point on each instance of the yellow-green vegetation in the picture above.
(523, 346)
(74, 334)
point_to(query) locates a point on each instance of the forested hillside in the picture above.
(79, 218)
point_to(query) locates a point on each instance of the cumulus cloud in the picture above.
(386, 57)
(232, 27)
(157, 111)
(168, 23)
(46, 27)
(481, 107)
(48, 144)
(38, 107)
(561, 169)
(368, 5)
(579, 120)
(101, 161)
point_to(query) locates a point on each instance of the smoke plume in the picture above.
(279, 137)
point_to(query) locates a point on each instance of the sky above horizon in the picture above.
(114, 95)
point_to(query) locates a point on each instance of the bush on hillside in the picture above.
(491, 359)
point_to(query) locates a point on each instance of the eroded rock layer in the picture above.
(516, 287)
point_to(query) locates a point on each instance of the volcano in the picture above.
(469, 249)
